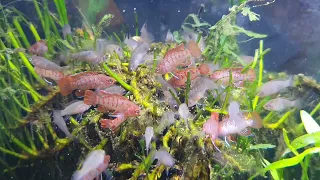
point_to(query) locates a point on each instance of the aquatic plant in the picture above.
(27, 132)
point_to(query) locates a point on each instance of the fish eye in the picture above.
(157, 69)
(137, 111)
(110, 81)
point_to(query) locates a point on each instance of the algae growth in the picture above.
(30, 141)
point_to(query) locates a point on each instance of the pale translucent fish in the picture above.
(89, 56)
(75, 108)
(309, 123)
(137, 56)
(280, 104)
(247, 59)
(145, 35)
(275, 86)
(167, 95)
(188, 36)
(164, 158)
(66, 30)
(199, 88)
(184, 111)
(148, 135)
(59, 121)
(237, 123)
(166, 120)
(169, 37)
(94, 164)
(104, 46)
(44, 63)
(131, 43)
(115, 90)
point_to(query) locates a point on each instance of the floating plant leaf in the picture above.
(309, 123)
(261, 146)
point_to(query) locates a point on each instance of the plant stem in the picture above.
(34, 32)
(25, 60)
(21, 32)
(17, 141)
(36, 5)
(20, 156)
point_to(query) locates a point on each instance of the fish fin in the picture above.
(65, 69)
(118, 116)
(102, 108)
(204, 69)
(251, 75)
(64, 85)
(90, 97)
(195, 51)
(215, 116)
(111, 124)
(76, 175)
(245, 132)
(256, 120)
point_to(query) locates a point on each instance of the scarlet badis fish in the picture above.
(39, 48)
(84, 81)
(223, 76)
(181, 76)
(178, 56)
(51, 74)
(121, 107)
(94, 164)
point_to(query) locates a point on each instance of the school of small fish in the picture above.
(181, 63)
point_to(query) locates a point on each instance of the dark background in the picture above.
(292, 26)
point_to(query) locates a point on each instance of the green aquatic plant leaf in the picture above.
(66, 44)
(261, 146)
(290, 161)
(252, 15)
(303, 141)
(309, 123)
(274, 173)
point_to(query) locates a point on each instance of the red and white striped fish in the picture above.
(111, 102)
(178, 56)
(182, 75)
(51, 74)
(222, 76)
(84, 81)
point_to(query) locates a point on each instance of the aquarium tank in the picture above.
(159, 89)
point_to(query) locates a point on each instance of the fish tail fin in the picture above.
(195, 51)
(65, 86)
(76, 175)
(90, 97)
(204, 69)
(291, 81)
(256, 120)
(251, 75)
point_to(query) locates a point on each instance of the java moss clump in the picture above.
(32, 147)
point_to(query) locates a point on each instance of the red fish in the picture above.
(51, 74)
(210, 127)
(39, 48)
(182, 75)
(121, 107)
(238, 78)
(111, 102)
(178, 56)
(84, 81)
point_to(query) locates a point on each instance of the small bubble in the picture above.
(134, 9)
(124, 10)
(178, 10)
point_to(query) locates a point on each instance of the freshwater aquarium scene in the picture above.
(159, 89)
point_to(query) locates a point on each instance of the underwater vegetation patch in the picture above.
(79, 103)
